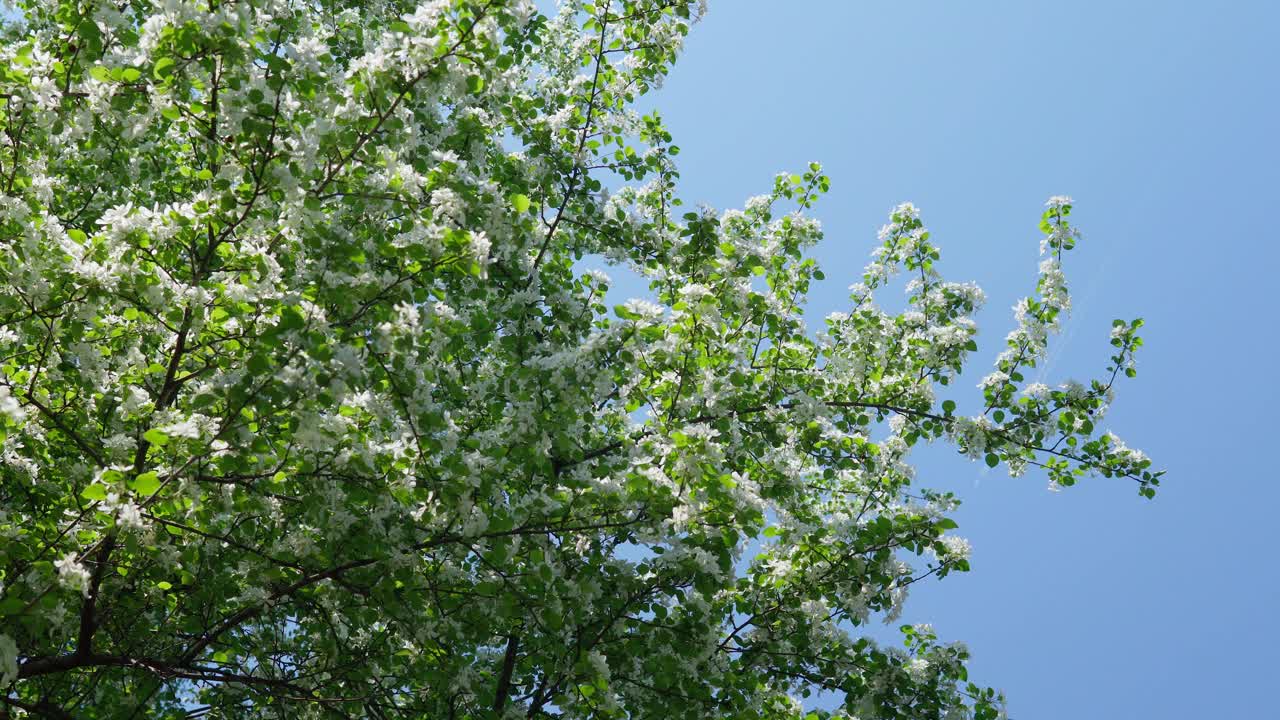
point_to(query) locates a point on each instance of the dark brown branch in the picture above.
(504, 680)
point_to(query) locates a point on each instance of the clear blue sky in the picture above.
(1160, 119)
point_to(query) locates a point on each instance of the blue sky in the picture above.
(1160, 119)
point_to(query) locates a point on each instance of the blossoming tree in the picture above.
(309, 409)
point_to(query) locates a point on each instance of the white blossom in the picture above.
(72, 574)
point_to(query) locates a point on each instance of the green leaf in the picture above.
(164, 584)
(291, 319)
(100, 73)
(11, 605)
(475, 84)
(146, 484)
(94, 492)
(130, 74)
(520, 202)
(156, 437)
(161, 69)
(277, 64)
(992, 460)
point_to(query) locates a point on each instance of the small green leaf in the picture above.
(164, 585)
(94, 492)
(155, 437)
(130, 74)
(161, 70)
(99, 73)
(520, 202)
(146, 484)
(291, 319)
(992, 460)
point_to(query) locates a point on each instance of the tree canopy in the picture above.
(311, 409)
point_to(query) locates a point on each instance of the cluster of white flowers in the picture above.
(918, 669)
(72, 574)
(1123, 453)
(1038, 391)
(993, 380)
(10, 408)
(957, 547)
(971, 434)
(647, 310)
